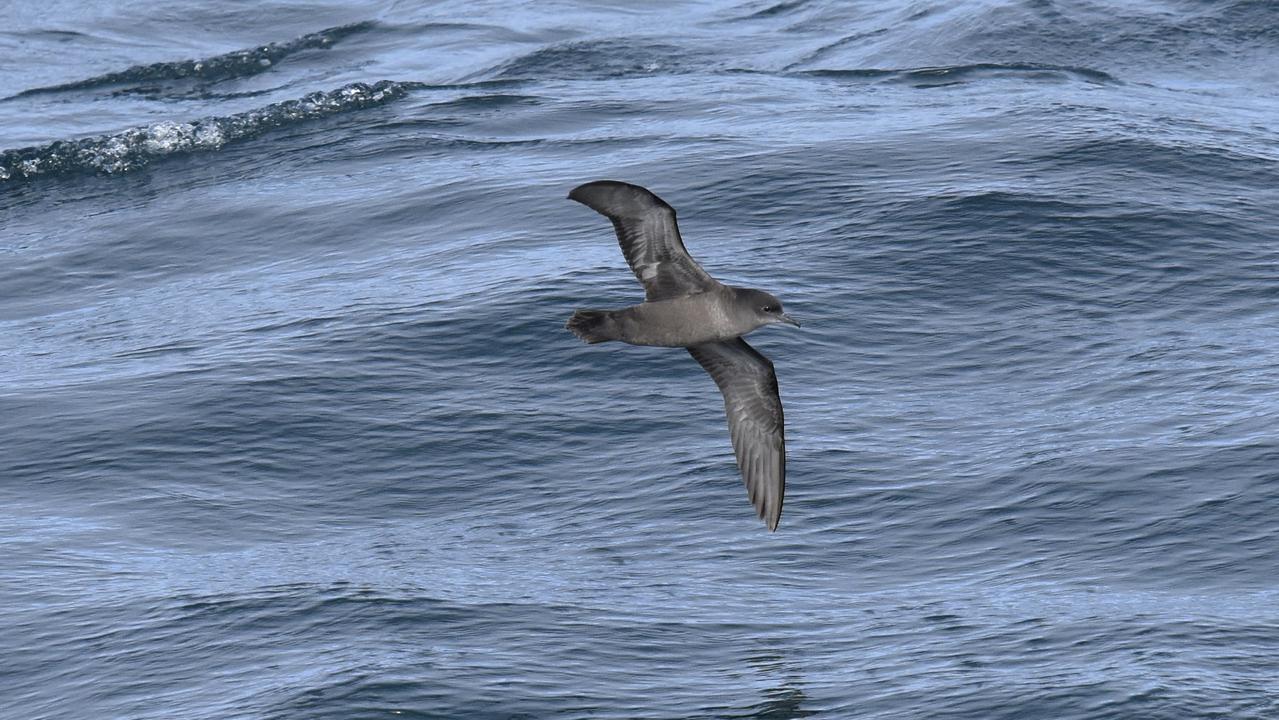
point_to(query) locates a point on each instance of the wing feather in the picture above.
(755, 421)
(649, 237)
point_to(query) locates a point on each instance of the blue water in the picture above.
(290, 426)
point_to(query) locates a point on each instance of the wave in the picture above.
(237, 64)
(138, 147)
(1220, 166)
(781, 8)
(954, 74)
(1136, 40)
(601, 59)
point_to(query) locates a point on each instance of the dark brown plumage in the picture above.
(686, 307)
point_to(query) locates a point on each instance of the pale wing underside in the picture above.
(755, 421)
(649, 237)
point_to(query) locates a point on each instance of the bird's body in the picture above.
(686, 307)
(710, 316)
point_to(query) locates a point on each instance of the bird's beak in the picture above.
(788, 320)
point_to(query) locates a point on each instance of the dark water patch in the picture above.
(139, 147)
(504, 84)
(237, 64)
(602, 59)
(1196, 34)
(59, 35)
(481, 103)
(1123, 252)
(158, 350)
(130, 646)
(778, 9)
(956, 74)
(847, 41)
(1183, 161)
(1133, 39)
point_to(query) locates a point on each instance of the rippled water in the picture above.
(290, 426)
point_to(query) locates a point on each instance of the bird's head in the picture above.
(765, 307)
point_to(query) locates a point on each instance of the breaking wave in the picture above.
(138, 147)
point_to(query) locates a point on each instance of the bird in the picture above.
(685, 307)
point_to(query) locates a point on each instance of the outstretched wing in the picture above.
(755, 421)
(649, 237)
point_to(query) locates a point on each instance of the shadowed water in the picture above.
(290, 425)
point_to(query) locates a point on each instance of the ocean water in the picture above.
(290, 426)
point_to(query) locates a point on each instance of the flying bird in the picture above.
(685, 307)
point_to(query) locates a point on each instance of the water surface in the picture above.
(290, 427)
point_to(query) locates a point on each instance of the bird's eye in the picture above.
(770, 308)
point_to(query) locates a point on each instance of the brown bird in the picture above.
(686, 307)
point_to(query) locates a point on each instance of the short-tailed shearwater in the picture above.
(686, 307)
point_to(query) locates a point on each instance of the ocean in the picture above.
(290, 426)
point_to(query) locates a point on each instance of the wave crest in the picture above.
(240, 63)
(138, 147)
(956, 74)
(599, 59)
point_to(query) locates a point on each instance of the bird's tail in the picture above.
(593, 326)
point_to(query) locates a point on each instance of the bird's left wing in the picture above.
(649, 237)
(754, 408)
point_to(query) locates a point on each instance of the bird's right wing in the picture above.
(649, 237)
(755, 421)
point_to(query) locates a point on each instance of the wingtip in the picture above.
(617, 198)
(770, 515)
(773, 522)
(581, 192)
(578, 194)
